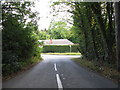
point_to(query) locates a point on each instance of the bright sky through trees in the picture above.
(43, 8)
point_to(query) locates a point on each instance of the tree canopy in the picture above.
(20, 41)
(94, 27)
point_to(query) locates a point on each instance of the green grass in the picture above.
(30, 62)
(104, 70)
(62, 53)
(24, 66)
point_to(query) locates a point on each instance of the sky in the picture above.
(43, 8)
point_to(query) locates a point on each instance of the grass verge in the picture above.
(62, 53)
(104, 70)
(25, 67)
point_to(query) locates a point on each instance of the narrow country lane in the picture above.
(58, 71)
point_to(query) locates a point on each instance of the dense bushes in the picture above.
(60, 48)
(20, 42)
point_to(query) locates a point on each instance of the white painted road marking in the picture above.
(55, 67)
(60, 87)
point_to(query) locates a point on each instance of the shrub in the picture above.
(60, 48)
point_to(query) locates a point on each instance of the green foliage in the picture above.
(20, 40)
(103, 69)
(74, 37)
(60, 48)
(94, 26)
(59, 30)
(43, 35)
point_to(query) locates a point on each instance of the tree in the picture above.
(97, 9)
(43, 35)
(95, 27)
(20, 41)
(117, 17)
(59, 30)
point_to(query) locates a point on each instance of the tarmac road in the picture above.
(58, 71)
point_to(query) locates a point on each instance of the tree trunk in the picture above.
(111, 31)
(97, 11)
(94, 44)
(117, 27)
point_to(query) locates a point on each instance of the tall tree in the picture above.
(117, 17)
(59, 30)
(94, 24)
(20, 42)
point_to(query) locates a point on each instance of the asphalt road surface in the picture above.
(58, 71)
